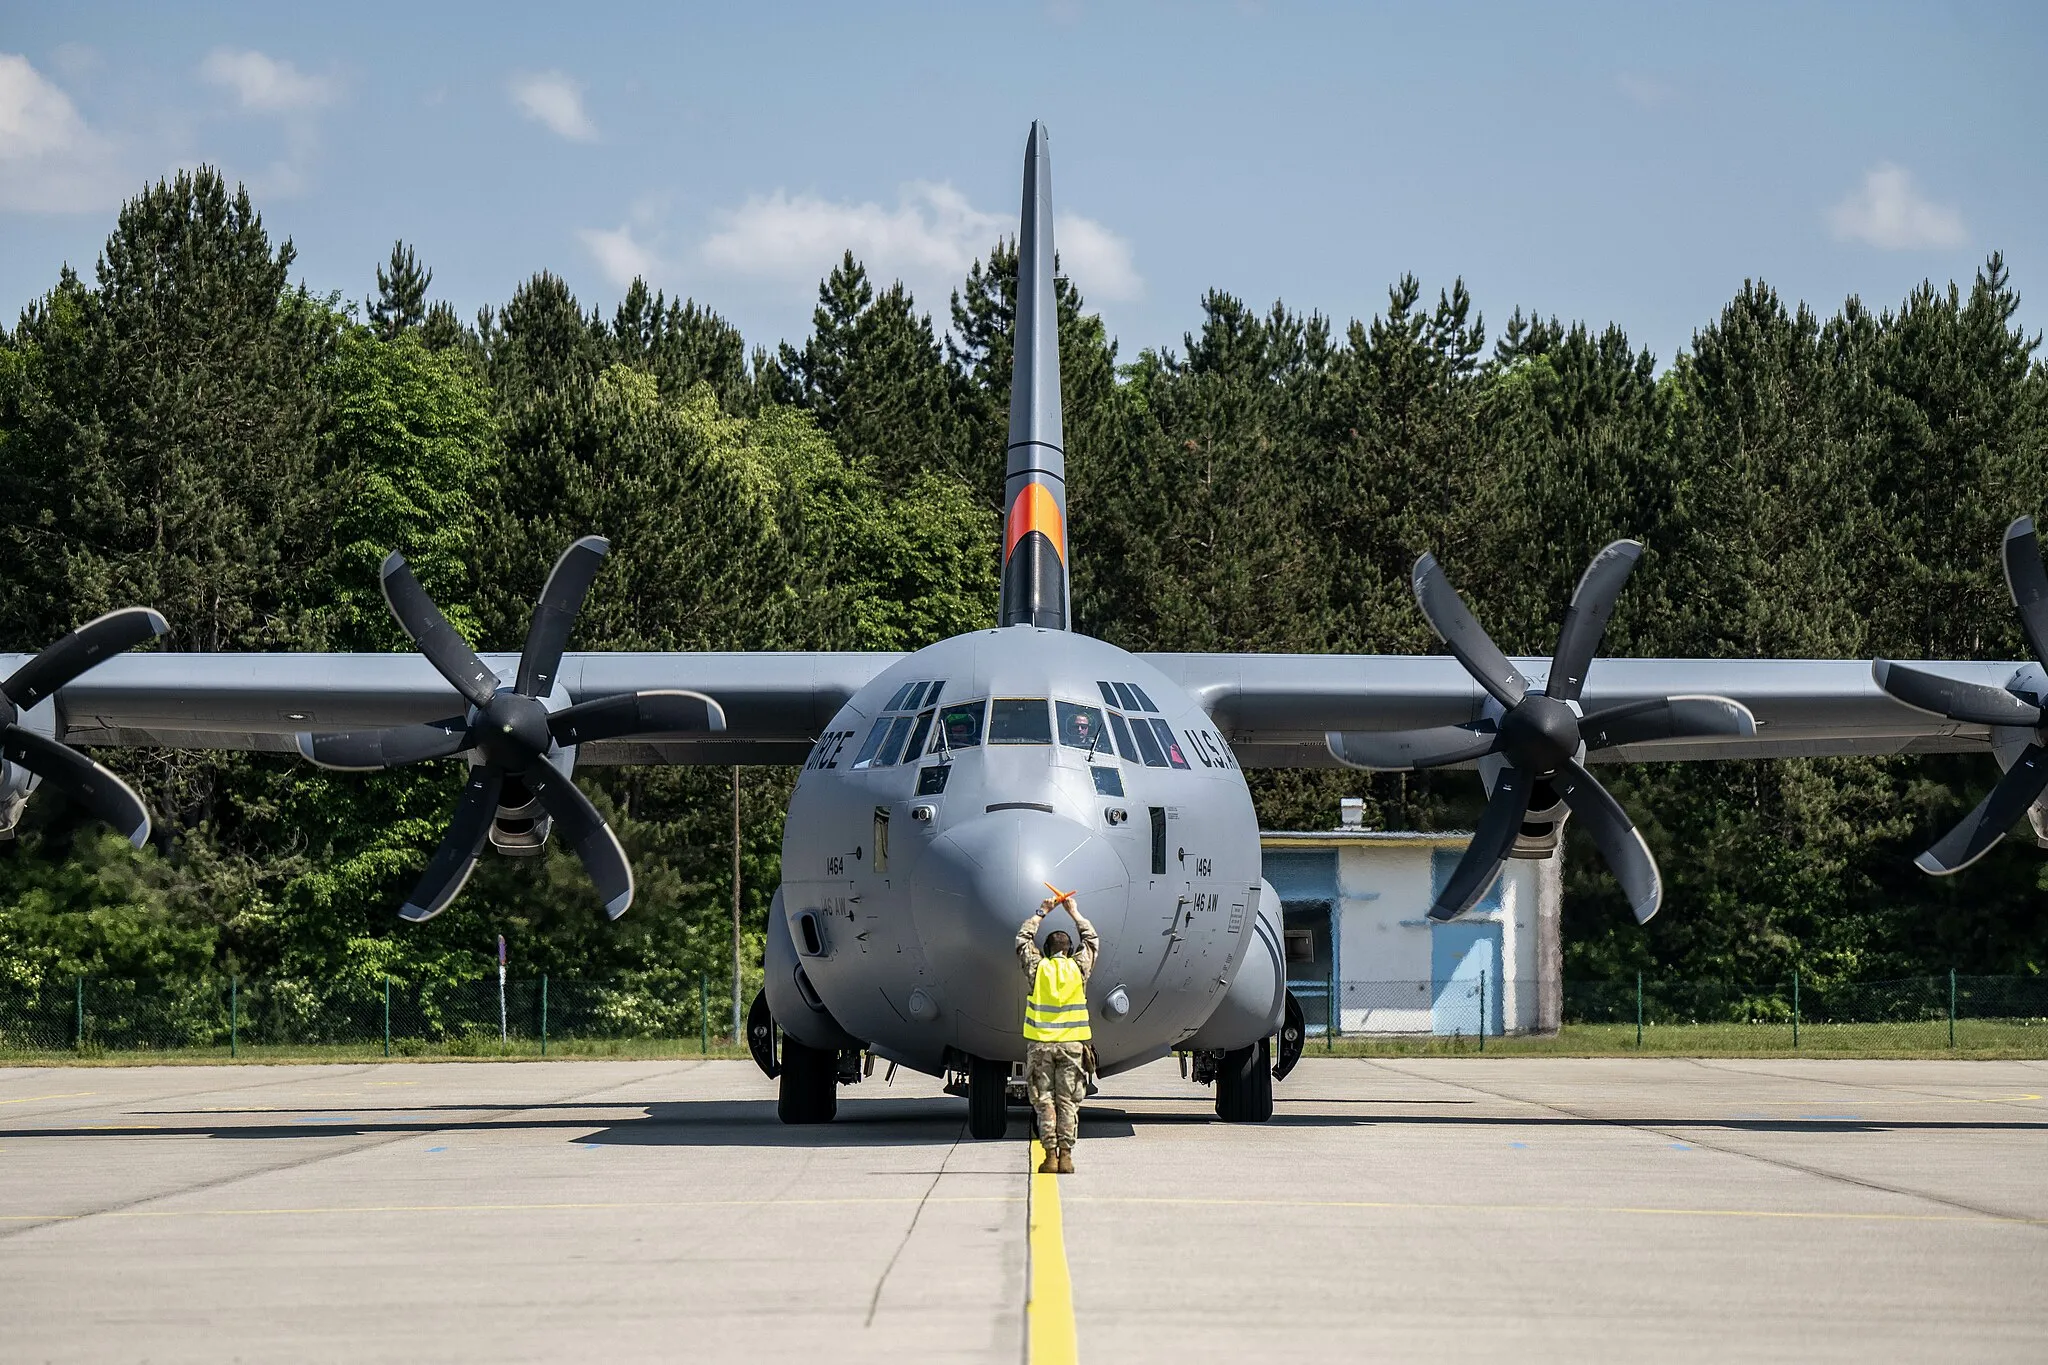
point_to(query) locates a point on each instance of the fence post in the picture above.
(79, 1034)
(1330, 1007)
(387, 1016)
(1795, 1009)
(1639, 1011)
(543, 1014)
(1482, 1009)
(234, 1016)
(703, 1014)
(1951, 1007)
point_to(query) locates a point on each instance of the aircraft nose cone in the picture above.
(980, 880)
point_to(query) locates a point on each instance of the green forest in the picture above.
(190, 428)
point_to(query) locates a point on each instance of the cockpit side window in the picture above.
(1124, 743)
(1123, 694)
(893, 745)
(959, 727)
(1081, 727)
(871, 743)
(916, 745)
(1171, 745)
(902, 697)
(1018, 720)
(1109, 694)
(1144, 701)
(1148, 743)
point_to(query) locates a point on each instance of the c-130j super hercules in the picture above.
(944, 791)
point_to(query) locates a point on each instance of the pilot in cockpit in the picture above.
(962, 726)
(1077, 727)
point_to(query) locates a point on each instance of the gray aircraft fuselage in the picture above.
(914, 891)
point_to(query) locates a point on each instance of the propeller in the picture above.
(1976, 704)
(1542, 736)
(511, 732)
(60, 765)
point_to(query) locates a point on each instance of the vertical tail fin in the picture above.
(1035, 491)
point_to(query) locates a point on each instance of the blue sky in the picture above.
(1630, 163)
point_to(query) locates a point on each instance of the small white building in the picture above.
(1356, 906)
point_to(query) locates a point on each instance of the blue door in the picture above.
(1462, 955)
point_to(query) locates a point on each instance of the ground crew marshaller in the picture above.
(1056, 1029)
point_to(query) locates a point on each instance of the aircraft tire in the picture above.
(988, 1101)
(1244, 1084)
(809, 1084)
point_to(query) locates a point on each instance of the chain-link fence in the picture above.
(90, 1014)
(1916, 1014)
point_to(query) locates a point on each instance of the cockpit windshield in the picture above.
(1019, 720)
(959, 726)
(1081, 727)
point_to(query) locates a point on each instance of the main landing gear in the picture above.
(809, 1084)
(1244, 1083)
(808, 1078)
(988, 1098)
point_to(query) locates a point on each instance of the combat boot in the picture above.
(1066, 1161)
(1051, 1164)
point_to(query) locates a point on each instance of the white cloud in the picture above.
(267, 85)
(1890, 213)
(620, 256)
(927, 240)
(50, 161)
(551, 98)
(1097, 260)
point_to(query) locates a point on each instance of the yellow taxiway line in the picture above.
(1049, 1291)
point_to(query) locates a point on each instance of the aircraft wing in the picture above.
(1276, 708)
(775, 704)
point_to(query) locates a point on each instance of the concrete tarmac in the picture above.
(1555, 1209)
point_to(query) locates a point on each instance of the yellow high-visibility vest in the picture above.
(1057, 1011)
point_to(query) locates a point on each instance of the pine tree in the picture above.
(873, 375)
(401, 302)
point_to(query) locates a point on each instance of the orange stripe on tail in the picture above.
(1035, 510)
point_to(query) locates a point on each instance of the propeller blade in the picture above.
(455, 859)
(1498, 827)
(1667, 718)
(1454, 624)
(1951, 697)
(1995, 814)
(65, 659)
(369, 750)
(79, 778)
(1400, 750)
(2027, 581)
(588, 835)
(1616, 836)
(427, 628)
(636, 713)
(555, 615)
(1585, 621)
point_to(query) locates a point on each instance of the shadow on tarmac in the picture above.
(923, 1121)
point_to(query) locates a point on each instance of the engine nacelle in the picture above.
(522, 826)
(1543, 825)
(16, 782)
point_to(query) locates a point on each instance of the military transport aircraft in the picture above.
(942, 791)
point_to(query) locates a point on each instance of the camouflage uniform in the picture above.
(1054, 1072)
